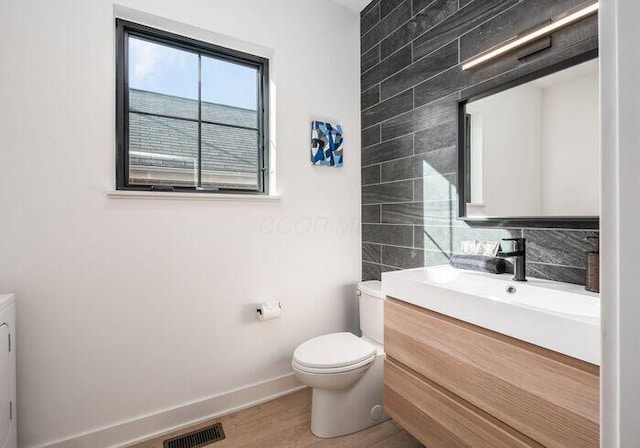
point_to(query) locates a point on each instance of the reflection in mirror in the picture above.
(534, 150)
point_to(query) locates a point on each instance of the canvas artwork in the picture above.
(326, 144)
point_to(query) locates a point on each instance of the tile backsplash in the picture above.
(411, 80)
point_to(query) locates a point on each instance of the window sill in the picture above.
(167, 195)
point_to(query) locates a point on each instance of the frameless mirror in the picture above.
(532, 149)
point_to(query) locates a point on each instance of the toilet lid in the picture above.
(333, 350)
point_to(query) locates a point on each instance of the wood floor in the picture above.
(284, 423)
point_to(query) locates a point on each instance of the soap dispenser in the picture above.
(593, 267)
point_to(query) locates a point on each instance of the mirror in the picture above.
(531, 149)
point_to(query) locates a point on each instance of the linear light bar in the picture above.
(519, 41)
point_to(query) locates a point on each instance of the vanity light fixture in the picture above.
(519, 41)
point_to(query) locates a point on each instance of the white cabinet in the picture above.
(8, 434)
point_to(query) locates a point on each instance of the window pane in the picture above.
(229, 157)
(229, 93)
(162, 151)
(162, 79)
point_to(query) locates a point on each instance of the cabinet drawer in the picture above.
(549, 397)
(438, 418)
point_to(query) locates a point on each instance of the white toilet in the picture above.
(346, 372)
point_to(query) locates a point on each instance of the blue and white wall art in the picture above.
(326, 144)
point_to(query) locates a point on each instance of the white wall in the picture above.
(476, 168)
(571, 147)
(620, 241)
(129, 307)
(511, 160)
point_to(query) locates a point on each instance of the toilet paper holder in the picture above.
(259, 310)
(269, 310)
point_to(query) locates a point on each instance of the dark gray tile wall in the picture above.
(411, 79)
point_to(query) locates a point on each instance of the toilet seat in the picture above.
(333, 353)
(334, 370)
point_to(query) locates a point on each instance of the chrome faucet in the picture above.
(519, 254)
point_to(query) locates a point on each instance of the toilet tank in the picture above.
(371, 310)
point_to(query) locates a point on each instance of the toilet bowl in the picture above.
(346, 371)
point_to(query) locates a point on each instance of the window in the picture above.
(191, 116)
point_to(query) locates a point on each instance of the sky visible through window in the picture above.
(158, 68)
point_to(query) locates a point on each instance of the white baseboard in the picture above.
(152, 425)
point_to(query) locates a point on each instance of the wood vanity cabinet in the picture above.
(453, 384)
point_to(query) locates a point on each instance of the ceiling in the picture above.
(354, 5)
(569, 74)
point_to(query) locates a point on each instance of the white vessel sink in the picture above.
(558, 316)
